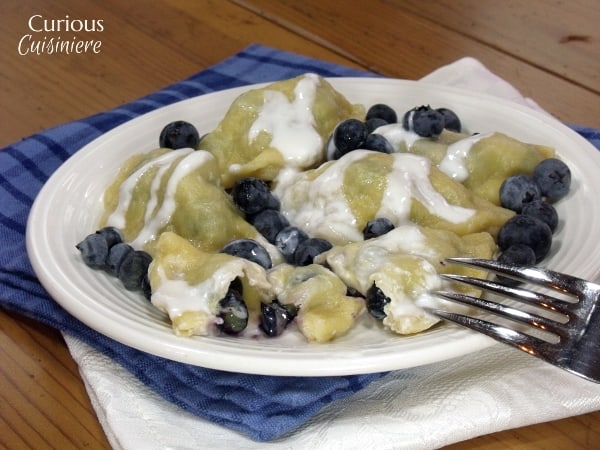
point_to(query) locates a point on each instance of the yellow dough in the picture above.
(404, 263)
(325, 311)
(286, 123)
(480, 162)
(336, 201)
(187, 283)
(178, 191)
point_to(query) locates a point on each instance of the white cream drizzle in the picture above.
(291, 124)
(397, 135)
(453, 163)
(157, 216)
(175, 296)
(117, 217)
(410, 179)
(373, 253)
(319, 206)
(323, 210)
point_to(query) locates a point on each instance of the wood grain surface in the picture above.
(549, 50)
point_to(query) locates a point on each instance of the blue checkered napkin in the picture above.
(261, 407)
(588, 133)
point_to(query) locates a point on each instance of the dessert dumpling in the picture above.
(481, 161)
(285, 124)
(397, 272)
(336, 201)
(188, 284)
(325, 312)
(178, 191)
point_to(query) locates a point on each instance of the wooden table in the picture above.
(549, 50)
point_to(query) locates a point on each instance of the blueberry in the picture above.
(233, 313)
(553, 177)
(351, 292)
(382, 111)
(517, 254)
(308, 249)
(518, 190)
(237, 286)
(111, 234)
(116, 256)
(543, 211)
(94, 250)
(146, 288)
(250, 250)
(179, 134)
(133, 269)
(374, 123)
(451, 120)
(287, 241)
(526, 230)
(349, 135)
(424, 121)
(275, 317)
(252, 195)
(269, 223)
(378, 143)
(376, 301)
(377, 227)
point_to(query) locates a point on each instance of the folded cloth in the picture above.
(148, 402)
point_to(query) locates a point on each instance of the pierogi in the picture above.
(285, 124)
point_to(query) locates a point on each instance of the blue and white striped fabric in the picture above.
(591, 134)
(261, 407)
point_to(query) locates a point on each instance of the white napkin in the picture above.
(420, 408)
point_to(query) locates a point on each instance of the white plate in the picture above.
(69, 205)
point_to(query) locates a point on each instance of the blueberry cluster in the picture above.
(353, 134)
(106, 250)
(526, 238)
(428, 122)
(261, 208)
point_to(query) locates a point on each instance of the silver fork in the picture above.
(574, 323)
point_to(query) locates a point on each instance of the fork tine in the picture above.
(542, 323)
(523, 295)
(577, 350)
(559, 281)
(524, 342)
